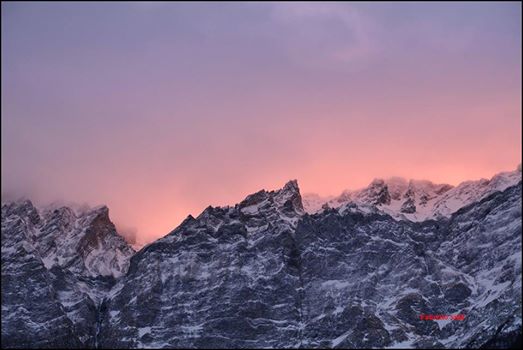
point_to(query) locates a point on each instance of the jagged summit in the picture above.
(262, 274)
(254, 215)
(417, 200)
(61, 263)
(87, 242)
(251, 275)
(23, 208)
(100, 209)
(292, 186)
(287, 200)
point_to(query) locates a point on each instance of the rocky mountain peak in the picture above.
(377, 193)
(286, 199)
(377, 182)
(260, 274)
(289, 198)
(22, 209)
(346, 278)
(86, 242)
(254, 199)
(291, 186)
(417, 200)
(98, 214)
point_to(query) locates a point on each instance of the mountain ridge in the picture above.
(265, 273)
(416, 200)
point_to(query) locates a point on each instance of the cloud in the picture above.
(325, 34)
(127, 232)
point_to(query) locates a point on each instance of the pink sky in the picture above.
(159, 110)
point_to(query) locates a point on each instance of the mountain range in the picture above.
(275, 270)
(415, 200)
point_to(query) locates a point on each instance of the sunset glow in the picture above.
(159, 110)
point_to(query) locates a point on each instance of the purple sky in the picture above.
(160, 109)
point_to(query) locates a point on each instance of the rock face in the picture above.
(369, 284)
(416, 200)
(261, 274)
(56, 268)
(409, 205)
(229, 278)
(264, 273)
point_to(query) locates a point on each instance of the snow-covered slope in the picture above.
(223, 279)
(57, 266)
(263, 273)
(312, 202)
(367, 278)
(85, 243)
(416, 200)
(473, 191)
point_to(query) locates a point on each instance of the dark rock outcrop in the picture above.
(265, 274)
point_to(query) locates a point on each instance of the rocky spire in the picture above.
(289, 198)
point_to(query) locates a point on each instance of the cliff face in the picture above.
(416, 200)
(263, 273)
(56, 268)
(250, 276)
